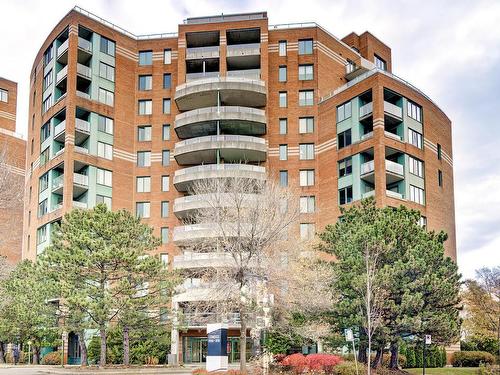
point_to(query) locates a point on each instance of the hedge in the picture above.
(471, 359)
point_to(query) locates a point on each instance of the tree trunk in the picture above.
(394, 355)
(2, 352)
(243, 342)
(362, 353)
(102, 358)
(319, 344)
(126, 346)
(83, 348)
(36, 355)
(378, 357)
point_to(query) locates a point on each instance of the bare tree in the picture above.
(252, 225)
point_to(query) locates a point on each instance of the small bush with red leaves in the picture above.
(322, 362)
(296, 363)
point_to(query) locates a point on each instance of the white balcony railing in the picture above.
(392, 135)
(394, 167)
(84, 70)
(368, 194)
(394, 194)
(202, 319)
(82, 94)
(202, 52)
(82, 205)
(368, 167)
(56, 207)
(249, 49)
(82, 125)
(59, 128)
(84, 44)
(367, 136)
(194, 76)
(221, 138)
(81, 150)
(366, 109)
(245, 73)
(81, 179)
(59, 152)
(62, 74)
(220, 167)
(62, 48)
(58, 182)
(393, 110)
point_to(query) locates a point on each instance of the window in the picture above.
(164, 258)
(284, 178)
(144, 158)
(307, 231)
(164, 235)
(283, 152)
(167, 81)
(41, 234)
(282, 48)
(4, 95)
(306, 125)
(166, 106)
(104, 177)
(47, 103)
(283, 125)
(307, 205)
(144, 133)
(283, 99)
(47, 80)
(439, 151)
(45, 132)
(414, 138)
(47, 56)
(344, 111)
(345, 195)
(43, 182)
(414, 111)
(416, 194)
(344, 139)
(166, 132)
(145, 107)
(165, 183)
(167, 56)
(106, 97)
(106, 71)
(143, 184)
(107, 46)
(165, 158)
(164, 209)
(306, 151)
(142, 210)
(306, 72)
(44, 156)
(105, 150)
(282, 73)
(422, 222)
(440, 178)
(306, 177)
(306, 97)
(380, 63)
(42, 208)
(103, 199)
(145, 83)
(105, 124)
(305, 47)
(416, 167)
(145, 57)
(345, 167)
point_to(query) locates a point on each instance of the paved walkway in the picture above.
(40, 370)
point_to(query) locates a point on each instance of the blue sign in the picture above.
(217, 342)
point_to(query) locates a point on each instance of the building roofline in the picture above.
(375, 37)
(232, 17)
(8, 80)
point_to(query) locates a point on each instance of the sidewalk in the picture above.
(94, 370)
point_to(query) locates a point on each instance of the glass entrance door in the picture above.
(195, 349)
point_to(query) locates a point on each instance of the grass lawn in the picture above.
(444, 371)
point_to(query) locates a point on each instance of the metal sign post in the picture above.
(349, 336)
(427, 341)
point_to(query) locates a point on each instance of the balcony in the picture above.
(366, 136)
(81, 150)
(186, 206)
(232, 91)
(82, 130)
(63, 73)
(394, 194)
(63, 48)
(245, 73)
(84, 45)
(394, 171)
(231, 148)
(58, 184)
(202, 53)
(393, 110)
(60, 131)
(249, 49)
(355, 70)
(190, 260)
(82, 94)
(58, 153)
(232, 120)
(392, 135)
(365, 110)
(83, 71)
(81, 205)
(367, 171)
(190, 77)
(184, 178)
(80, 184)
(368, 194)
(200, 320)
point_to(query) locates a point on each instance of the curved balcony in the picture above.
(190, 260)
(232, 148)
(184, 178)
(233, 91)
(196, 234)
(186, 206)
(232, 120)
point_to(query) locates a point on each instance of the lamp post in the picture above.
(29, 352)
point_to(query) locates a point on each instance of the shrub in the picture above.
(202, 371)
(295, 362)
(322, 362)
(199, 371)
(488, 370)
(349, 368)
(471, 359)
(410, 357)
(52, 358)
(386, 360)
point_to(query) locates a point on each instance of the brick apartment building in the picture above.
(12, 160)
(132, 121)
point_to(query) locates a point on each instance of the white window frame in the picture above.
(143, 184)
(106, 97)
(306, 151)
(145, 107)
(105, 150)
(306, 72)
(283, 152)
(147, 79)
(306, 98)
(283, 99)
(417, 195)
(282, 46)
(167, 56)
(416, 166)
(105, 124)
(344, 111)
(165, 183)
(146, 159)
(307, 204)
(104, 177)
(144, 133)
(415, 138)
(306, 177)
(143, 210)
(306, 125)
